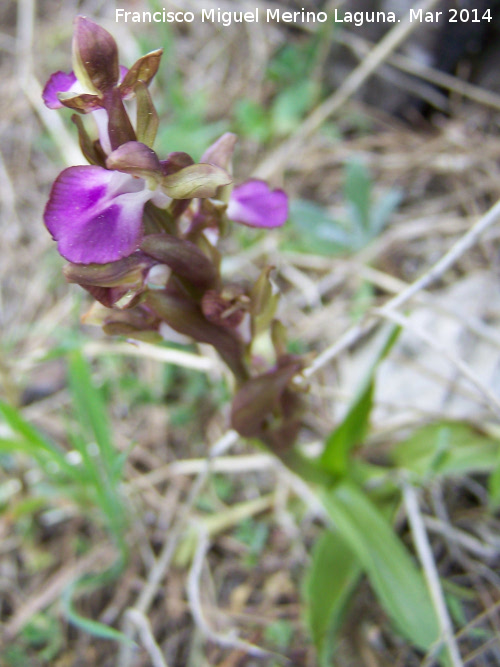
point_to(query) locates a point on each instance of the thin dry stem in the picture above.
(143, 626)
(162, 564)
(490, 398)
(196, 607)
(430, 572)
(148, 351)
(354, 334)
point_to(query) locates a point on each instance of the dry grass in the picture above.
(450, 175)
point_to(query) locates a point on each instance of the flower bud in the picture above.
(259, 401)
(221, 152)
(264, 302)
(226, 308)
(184, 258)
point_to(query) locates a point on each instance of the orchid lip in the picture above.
(95, 214)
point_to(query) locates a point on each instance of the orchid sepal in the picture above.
(221, 151)
(120, 128)
(129, 271)
(195, 181)
(143, 70)
(95, 56)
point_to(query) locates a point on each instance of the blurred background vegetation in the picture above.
(105, 495)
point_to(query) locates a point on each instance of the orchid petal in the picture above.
(59, 82)
(95, 214)
(254, 204)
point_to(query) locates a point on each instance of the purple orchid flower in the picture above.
(98, 84)
(96, 214)
(254, 204)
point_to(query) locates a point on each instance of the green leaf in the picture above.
(494, 486)
(252, 120)
(358, 194)
(332, 577)
(383, 209)
(353, 429)
(314, 230)
(90, 408)
(291, 105)
(447, 448)
(94, 628)
(399, 585)
(351, 432)
(31, 441)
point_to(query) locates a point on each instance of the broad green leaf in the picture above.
(398, 584)
(447, 448)
(332, 577)
(354, 427)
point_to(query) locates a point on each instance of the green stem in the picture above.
(305, 468)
